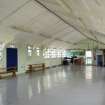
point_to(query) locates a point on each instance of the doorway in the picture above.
(12, 59)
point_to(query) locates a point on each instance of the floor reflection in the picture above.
(89, 72)
(1, 99)
(49, 80)
(65, 85)
(39, 86)
(30, 93)
(11, 93)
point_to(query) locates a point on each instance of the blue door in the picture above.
(99, 60)
(12, 59)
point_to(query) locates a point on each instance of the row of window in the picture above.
(54, 53)
(47, 53)
(30, 50)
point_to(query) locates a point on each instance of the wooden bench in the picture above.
(35, 67)
(12, 71)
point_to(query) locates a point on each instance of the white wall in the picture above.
(24, 59)
(3, 61)
(52, 62)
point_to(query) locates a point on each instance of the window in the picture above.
(46, 53)
(89, 58)
(29, 48)
(54, 53)
(38, 51)
(58, 54)
(63, 53)
(88, 53)
(12, 46)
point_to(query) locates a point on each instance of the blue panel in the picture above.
(99, 60)
(12, 58)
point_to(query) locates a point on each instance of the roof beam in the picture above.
(14, 11)
(66, 22)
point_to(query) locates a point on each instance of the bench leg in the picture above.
(14, 74)
(0, 77)
(43, 67)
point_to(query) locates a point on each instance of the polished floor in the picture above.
(69, 85)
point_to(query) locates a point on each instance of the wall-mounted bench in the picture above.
(35, 67)
(12, 70)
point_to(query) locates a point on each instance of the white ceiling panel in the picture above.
(54, 23)
(23, 15)
(72, 37)
(9, 7)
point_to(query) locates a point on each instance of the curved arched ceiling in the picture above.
(53, 23)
